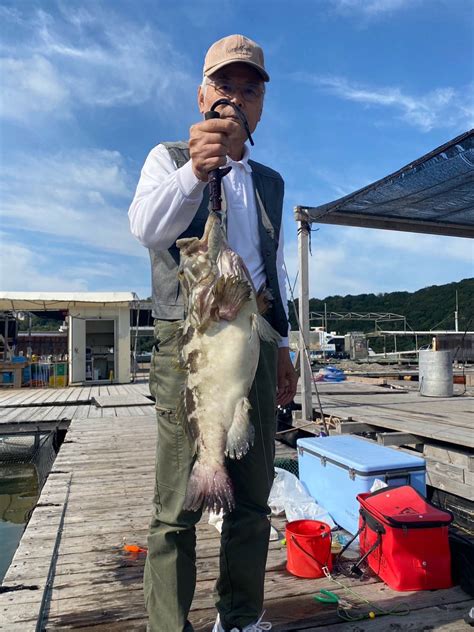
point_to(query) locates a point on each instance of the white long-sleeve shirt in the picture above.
(167, 199)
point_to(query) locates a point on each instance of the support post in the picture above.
(456, 314)
(304, 227)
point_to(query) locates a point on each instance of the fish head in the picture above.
(198, 257)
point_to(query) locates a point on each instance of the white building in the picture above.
(98, 325)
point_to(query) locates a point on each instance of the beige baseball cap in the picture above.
(232, 49)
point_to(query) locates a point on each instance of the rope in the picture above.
(343, 606)
(400, 610)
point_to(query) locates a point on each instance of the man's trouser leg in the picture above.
(246, 530)
(170, 569)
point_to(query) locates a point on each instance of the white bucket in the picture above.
(435, 373)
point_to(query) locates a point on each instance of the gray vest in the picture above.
(269, 187)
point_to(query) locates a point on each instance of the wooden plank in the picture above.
(446, 618)
(351, 427)
(96, 586)
(398, 438)
(450, 455)
(121, 400)
(427, 428)
(453, 472)
(447, 484)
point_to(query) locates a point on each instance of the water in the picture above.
(20, 487)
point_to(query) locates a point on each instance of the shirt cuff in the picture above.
(283, 343)
(189, 185)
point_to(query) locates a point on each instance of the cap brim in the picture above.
(227, 62)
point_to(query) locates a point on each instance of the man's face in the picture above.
(241, 84)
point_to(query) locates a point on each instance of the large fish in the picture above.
(219, 349)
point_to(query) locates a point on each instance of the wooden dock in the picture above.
(442, 428)
(70, 571)
(46, 408)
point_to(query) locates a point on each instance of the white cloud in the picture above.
(37, 267)
(59, 63)
(340, 186)
(332, 270)
(442, 107)
(31, 85)
(356, 260)
(426, 246)
(371, 7)
(81, 197)
(24, 269)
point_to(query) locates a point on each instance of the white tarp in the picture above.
(53, 301)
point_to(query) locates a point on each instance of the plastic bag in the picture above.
(331, 374)
(217, 519)
(378, 484)
(288, 495)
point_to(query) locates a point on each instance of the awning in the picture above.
(434, 194)
(55, 301)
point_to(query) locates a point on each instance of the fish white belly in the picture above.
(226, 366)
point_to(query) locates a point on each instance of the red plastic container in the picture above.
(409, 537)
(308, 547)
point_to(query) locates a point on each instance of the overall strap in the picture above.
(179, 152)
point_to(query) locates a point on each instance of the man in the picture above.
(171, 202)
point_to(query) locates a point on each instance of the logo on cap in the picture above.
(240, 49)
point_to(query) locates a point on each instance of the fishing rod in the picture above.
(216, 175)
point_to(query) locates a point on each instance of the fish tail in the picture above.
(209, 487)
(241, 433)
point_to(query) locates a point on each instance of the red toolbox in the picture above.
(405, 539)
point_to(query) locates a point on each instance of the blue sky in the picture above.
(358, 89)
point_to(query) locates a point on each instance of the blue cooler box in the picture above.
(335, 469)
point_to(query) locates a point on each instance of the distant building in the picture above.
(42, 343)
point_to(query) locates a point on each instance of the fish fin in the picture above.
(180, 412)
(264, 299)
(230, 294)
(241, 433)
(184, 415)
(188, 244)
(203, 309)
(190, 397)
(179, 346)
(265, 330)
(209, 487)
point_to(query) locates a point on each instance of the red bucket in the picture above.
(308, 546)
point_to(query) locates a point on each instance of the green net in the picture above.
(289, 464)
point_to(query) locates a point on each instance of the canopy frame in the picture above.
(431, 195)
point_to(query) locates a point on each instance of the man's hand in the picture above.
(287, 377)
(210, 143)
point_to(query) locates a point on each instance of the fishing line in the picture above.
(401, 610)
(306, 352)
(269, 479)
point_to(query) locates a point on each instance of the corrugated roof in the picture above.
(434, 194)
(44, 301)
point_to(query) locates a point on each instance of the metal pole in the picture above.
(303, 307)
(456, 324)
(325, 331)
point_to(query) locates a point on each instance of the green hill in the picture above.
(429, 308)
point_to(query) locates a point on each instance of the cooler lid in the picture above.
(404, 506)
(361, 455)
